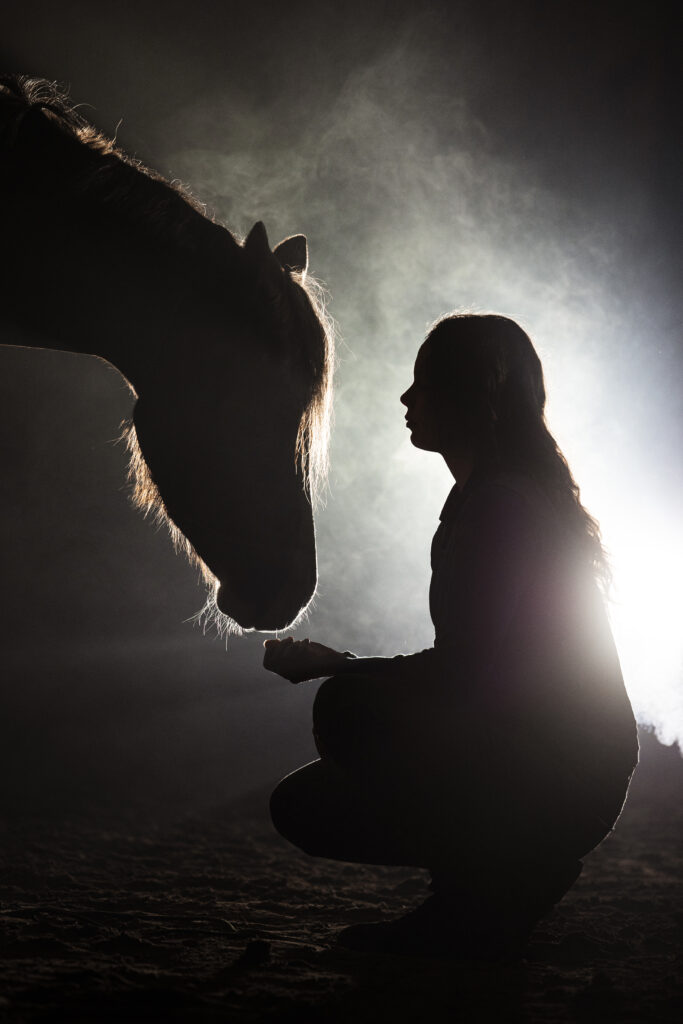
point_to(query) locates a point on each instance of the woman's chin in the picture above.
(421, 443)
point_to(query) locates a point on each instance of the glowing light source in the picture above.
(647, 556)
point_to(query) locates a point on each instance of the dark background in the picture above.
(519, 157)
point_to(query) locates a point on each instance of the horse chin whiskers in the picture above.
(301, 617)
(226, 613)
(212, 621)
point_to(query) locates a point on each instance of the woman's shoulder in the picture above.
(507, 489)
(504, 507)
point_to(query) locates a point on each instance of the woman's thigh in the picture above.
(367, 722)
(396, 764)
(328, 813)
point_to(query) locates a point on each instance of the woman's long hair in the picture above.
(488, 384)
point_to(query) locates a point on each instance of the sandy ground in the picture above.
(112, 918)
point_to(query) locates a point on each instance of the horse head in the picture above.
(228, 441)
(226, 346)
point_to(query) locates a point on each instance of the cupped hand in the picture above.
(299, 660)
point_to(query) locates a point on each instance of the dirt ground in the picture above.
(215, 918)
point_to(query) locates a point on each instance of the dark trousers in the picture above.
(402, 781)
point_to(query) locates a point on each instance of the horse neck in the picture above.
(87, 283)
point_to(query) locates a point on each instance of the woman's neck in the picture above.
(460, 465)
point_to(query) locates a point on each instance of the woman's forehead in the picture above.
(421, 358)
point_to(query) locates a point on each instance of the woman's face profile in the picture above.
(421, 417)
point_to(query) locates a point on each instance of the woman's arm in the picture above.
(301, 660)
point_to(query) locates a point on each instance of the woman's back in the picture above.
(521, 631)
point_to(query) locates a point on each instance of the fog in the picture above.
(448, 160)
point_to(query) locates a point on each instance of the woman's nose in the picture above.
(405, 400)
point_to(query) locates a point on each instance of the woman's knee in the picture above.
(283, 804)
(298, 808)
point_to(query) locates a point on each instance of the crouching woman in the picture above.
(502, 755)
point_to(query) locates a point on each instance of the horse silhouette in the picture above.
(225, 346)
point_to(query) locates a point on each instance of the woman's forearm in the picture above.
(400, 663)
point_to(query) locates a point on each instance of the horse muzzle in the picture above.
(267, 612)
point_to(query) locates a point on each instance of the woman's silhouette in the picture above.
(501, 755)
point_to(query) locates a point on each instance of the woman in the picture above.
(501, 755)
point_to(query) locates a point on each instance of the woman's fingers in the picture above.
(274, 642)
(299, 660)
(279, 653)
(296, 660)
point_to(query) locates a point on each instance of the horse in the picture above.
(225, 345)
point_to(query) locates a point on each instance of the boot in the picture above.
(478, 922)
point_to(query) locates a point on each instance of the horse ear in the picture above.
(256, 244)
(266, 267)
(293, 254)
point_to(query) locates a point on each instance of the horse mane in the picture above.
(81, 161)
(102, 171)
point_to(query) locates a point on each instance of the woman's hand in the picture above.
(299, 660)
